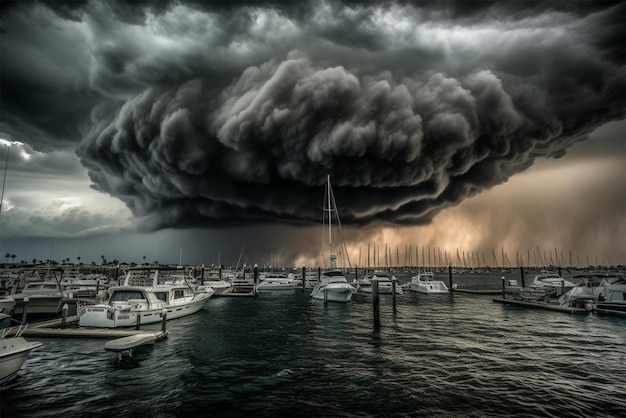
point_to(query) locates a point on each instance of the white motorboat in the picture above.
(40, 297)
(212, 278)
(553, 284)
(83, 285)
(333, 287)
(14, 351)
(614, 303)
(275, 281)
(512, 290)
(592, 287)
(425, 282)
(220, 287)
(130, 304)
(385, 284)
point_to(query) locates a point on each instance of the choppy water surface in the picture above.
(289, 355)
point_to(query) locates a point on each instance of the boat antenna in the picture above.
(4, 180)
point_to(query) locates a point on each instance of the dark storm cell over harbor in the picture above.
(201, 116)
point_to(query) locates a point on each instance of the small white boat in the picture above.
(14, 351)
(220, 287)
(275, 281)
(127, 344)
(385, 284)
(425, 282)
(130, 304)
(333, 287)
(552, 283)
(615, 301)
(42, 297)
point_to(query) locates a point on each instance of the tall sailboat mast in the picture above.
(330, 212)
(4, 180)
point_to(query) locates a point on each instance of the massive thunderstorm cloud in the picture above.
(208, 114)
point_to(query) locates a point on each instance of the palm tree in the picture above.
(7, 255)
(13, 257)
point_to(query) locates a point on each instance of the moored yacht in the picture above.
(425, 282)
(333, 287)
(614, 303)
(385, 284)
(275, 281)
(130, 304)
(552, 283)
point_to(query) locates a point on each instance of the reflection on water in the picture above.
(287, 354)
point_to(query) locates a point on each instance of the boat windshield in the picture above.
(161, 296)
(124, 295)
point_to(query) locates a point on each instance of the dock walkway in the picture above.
(52, 328)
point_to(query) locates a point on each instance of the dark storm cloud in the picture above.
(206, 113)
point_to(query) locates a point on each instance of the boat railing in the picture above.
(6, 331)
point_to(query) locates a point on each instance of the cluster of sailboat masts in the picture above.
(389, 257)
(432, 257)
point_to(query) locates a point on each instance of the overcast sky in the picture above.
(199, 132)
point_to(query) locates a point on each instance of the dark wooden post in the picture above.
(303, 277)
(521, 270)
(64, 315)
(376, 304)
(256, 277)
(24, 309)
(163, 320)
(450, 276)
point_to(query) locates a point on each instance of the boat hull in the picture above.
(613, 309)
(220, 287)
(38, 304)
(263, 287)
(14, 352)
(330, 293)
(108, 316)
(429, 287)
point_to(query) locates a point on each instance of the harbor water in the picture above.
(286, 354)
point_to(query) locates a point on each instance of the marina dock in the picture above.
(53, 328)
(542, 305)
